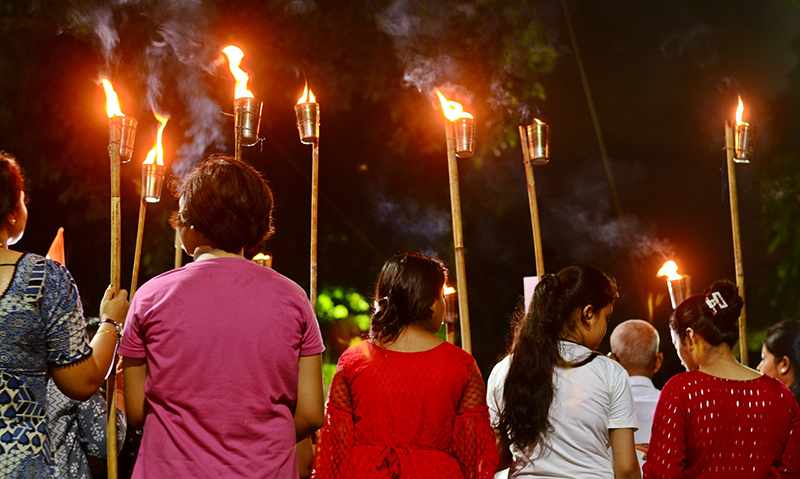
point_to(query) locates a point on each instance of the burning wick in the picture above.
(121, 128)
(307, 111)
(745, 137)
(263, 260)
(247, 109)
(463, 123)
(679, 286)
(153, 167)
(538, 138)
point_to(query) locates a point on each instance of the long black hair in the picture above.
(529, 389)
(783, 340)
(408, 286)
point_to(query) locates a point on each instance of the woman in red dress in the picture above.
(720, 419)
(405, 403)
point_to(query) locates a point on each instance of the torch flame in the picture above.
(156, 155)
(260, 256)
(538, 122)
(670, 270)
(308, 96)
(235, 56)
(449, 290)
(739, 111)
(112, 102)
(452, 110)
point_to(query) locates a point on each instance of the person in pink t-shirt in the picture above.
(221, 358)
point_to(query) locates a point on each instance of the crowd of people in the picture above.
(222, 368)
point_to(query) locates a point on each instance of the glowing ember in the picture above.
(261, 256)
(112, 102)
(308, 96)
(670, 270)
(448, 290)
(739, 111)
(235, 56)
(452, 110)
(156, 155)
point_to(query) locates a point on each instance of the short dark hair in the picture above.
(228, 202)
(408, 286)
(12, 183)
(715, 324)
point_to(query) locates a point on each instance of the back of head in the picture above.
(12, 183)
(783, 340)
(714, 315)
(528, 391)
(228, 202)
(408, 286)
(635, 345)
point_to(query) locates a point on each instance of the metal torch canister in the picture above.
(745, 141)
(464, 130)
(539, 143)
(307, 122)
(152, 179)
(679, 289)
(122, 129)
(450, 308)
(248, 119)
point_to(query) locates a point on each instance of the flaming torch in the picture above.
(152, 179)
(247, 117)
(264, 260)
(738, 149)
(307, 112)
(121, 135)
(535, 140)
(450, 313)
(454, 113)
(679, 286)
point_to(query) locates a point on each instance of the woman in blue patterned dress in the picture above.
(42, 334)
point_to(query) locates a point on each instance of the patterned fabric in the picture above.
(712, 427)
(406, 415)
(41, 326)
(78, 430)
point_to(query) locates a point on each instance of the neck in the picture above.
(207, 252)
(716, 356)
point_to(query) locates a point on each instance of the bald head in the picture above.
(635, 344)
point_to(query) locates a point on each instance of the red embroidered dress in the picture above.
(411, 415)
(711, 427)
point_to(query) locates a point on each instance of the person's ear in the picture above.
(784, 365)
(659, 362)
(587, 314)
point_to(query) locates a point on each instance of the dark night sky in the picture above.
(664, 77)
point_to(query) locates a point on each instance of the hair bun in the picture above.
(730, 295)
(547, 283)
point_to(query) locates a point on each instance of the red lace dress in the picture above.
(409, 415)
(711, 427)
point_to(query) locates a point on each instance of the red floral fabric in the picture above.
(711, 427)
(406, 415)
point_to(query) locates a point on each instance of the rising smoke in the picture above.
(426, 226)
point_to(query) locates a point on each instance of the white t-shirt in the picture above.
(645, 398)
(589, 400)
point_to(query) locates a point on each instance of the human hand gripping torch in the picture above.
(121, 135)
(679, 286)
(535, 140)
(247, 110)
(739, 143)
(152, 179)
(459, 130)
(307, 112)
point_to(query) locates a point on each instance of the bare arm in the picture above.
(134, 371)
(79, 381)
(309, 413)
(503, 450)
(626, 464)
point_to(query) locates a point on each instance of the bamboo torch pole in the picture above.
(458, 239)
(137, 253)
(730, 148)
(178, 251)
(533, 203)
(314, 211)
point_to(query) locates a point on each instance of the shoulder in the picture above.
(777, 388)
(497, 377)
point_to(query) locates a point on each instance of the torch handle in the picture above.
(137, 253)
(737, 239)
(178, 251)
(314, 209)
(532, 203)
(115, 133)
(458, 240)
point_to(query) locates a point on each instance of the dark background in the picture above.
(664, 77)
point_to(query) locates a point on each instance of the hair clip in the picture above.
(716, 301)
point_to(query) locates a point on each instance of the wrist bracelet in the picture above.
(108, 332)
(117, 326)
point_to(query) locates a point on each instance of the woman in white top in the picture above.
(556, 405)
